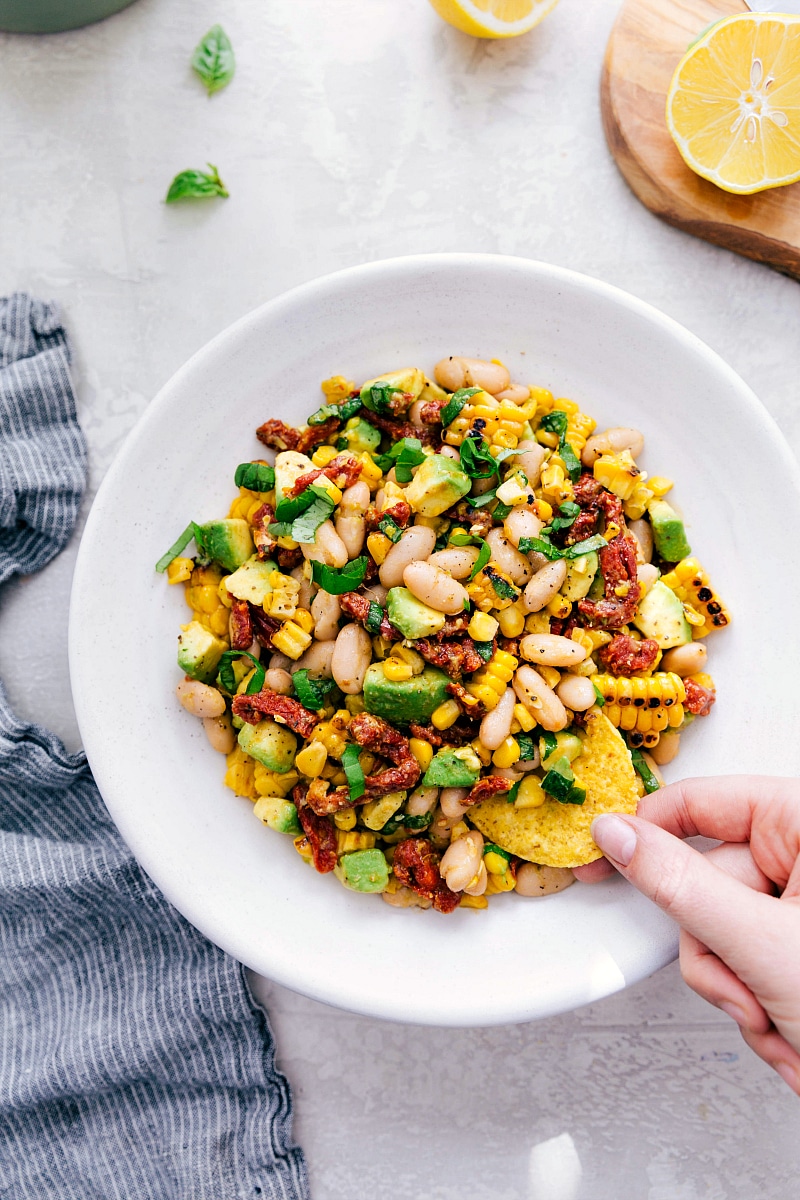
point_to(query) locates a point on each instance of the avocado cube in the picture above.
(251, 581)
(408, 614)
(363, 871)
(199, 652)
(451, 768)
(669, 534)
(406, 700)
(273, 745)
(279, 814)
(359, 436)
(289, 466)
(660, 616)
(227, 542)
(580, 576)
(407, 379)
(438, 484)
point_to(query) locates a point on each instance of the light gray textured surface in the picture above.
(354, 131)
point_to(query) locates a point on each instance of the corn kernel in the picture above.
(303, 847)
(291, 640)
(544, 511)
(412, 657)
(482, 627)
(379, 546)
(179, 570)
(559, 607)
(538, 622)
(311, 759)
(337, 388)
(375, 813)
(355, 704)
(304, 619)
(349, 840)
(495, 884)
(483, 752)
(371, 474)
(345, 819)
(422, 751)
(473, 901)
(496, 864)
(487, 695)
(218, 622)
(511, 621)
(223, 593)
(445, 715)
(506, 754)
(545, 438)
(381, 647)
(659, 485)
(550, 675)
(523, 718)
(458, 830)
(530, 794)
(324, 455)
(240, 773)
(398, 671)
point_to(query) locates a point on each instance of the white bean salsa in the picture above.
(441, 631)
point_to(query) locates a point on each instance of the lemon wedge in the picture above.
(733, 106)
(493, 18)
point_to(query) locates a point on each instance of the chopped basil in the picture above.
(512, 794)
(485, 649)
(376, 397)
(304, 528)
(352, 769)
(213, 59)
(403, 821)
(191, 531)
(482, 501)
(306, 513)
(404, 455)
(559, 782)
(501, 512)
(374, 618)
(389, 528)
(460, 537)
(543, 545)
(344, 411)
(476, 459)
(527, 746)
(280, 529)
(455, 404)
(504, 589)
(550, 743)
(601, 700)
(484, 554)
(311, 692)
(196, 185)
(493, 848)
(228, 678)
(649, 780)
(569, 510)
(290, 507)
(256, 477)
(556, 422)
(571, 461)
(587, 546)
(338, 580)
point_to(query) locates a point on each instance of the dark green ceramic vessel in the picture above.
(51, 16)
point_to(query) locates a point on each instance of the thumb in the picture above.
(723, 913)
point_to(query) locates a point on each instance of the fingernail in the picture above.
(738, 1014)
(788, 1075)
(616, 838)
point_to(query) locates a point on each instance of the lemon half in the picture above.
(733, 106)
(493, 18)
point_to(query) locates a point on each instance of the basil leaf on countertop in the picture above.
(213, 59)
(196, 185)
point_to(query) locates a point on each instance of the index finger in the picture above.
(725, 807)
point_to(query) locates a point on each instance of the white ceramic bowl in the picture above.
(242, 884)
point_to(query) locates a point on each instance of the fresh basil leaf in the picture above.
(376, 397)
(280, 529)
(374, 618)
(511, 795)
(587, 546)
(304, 528)
(649, 780)
(485, 650)
(571, 461)
(389, 528)
(501, 512)
(504, 589)
(196, 185)
(410, 455)
(228, 678)
(550, 743)
(338, 580)
(601, 700)
(455, 404)
(256, 477)
(555, 422)
(568, 511)
(213, 59)
(290, 507)
(352, 769)
(540, 545)
(419, 822)
(527, 746)
(344, 411)
(311, 692)
(484, 554)
(476, 461)
(191, 531)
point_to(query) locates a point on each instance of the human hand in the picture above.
(738, 905)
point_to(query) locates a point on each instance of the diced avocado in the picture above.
(580, 574)
(363, 871)
(279, 814)
(432, 391)
(404, 700)
(359, 436)
(273, 745)
(568, 745)
(438, 484)
(452, 768)
(251, 581)
(408, 614)
(228, 541)
(199, 652)
(407, 379)
(660, 616)
(669, 534)
(289, 466)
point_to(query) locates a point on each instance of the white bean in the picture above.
(422, 800)
(278, 681)
(544, 585)
(540, 700)
(439, 830)
(351, 657)
(199, 699)
(612, 441)
(435, 587)
(481, 880)
(667, 747)
(530, 456)
(642, 531)
(481, 486)
(376, 593)
(509, 772)
(280, 660)
(326, 611)
(449, 452)
(508, 558)
(647, 575)
(415, 545)
(350, 517)
(306, 586)
(454, 373)
(685, 660)
(462, 860)
(496, 725)
(456, 562)
(451, 801)
(220, 733)
(535, 880)
(517, 393)
(576, 692)
(551, 650)
(520, 523)
(414, 414)
(328, 547)
(317, 658)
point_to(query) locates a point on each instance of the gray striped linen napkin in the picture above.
(133, 1060)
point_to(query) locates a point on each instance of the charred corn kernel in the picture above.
(332, 738)
(523, 718)
(690, 584)
(355, 704)
(511, 621)
(379, 546)
(397, 671)
(349, 840)
(304, 619)
(371, 474)
(550, 675)
(224, 594)
(337, 388)
(324, 455)
(538, 622)
(311, 759)
(291, 640)
(381, 647)
(218, 621)
(560, 607)
(495, 884)
(694, 617)
(375, 813)
(472, 901)
(659, 485)
(346, 819)
(240, 773)
(530, 794)
(619, 473)
(281, 602)
(483, 752)
(506, 754)
(180, 570)
(482, 627)
(662, 689)
(554, 486)
(303, 847)
(422, 751)
(636, 506)
(492, 588)
(489, 683)
(445, 715)
(341, 719)
(407, 655)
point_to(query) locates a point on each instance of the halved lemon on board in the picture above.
(733, 106)
(493, 18)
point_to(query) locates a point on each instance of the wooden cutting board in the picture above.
(646, 44)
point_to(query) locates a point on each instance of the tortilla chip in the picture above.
(555, 834)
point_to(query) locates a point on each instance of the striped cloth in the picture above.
(134, 1062)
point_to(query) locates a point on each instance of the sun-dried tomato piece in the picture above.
(280, 436)
(624, 655)
(400, 513)
(320, 831)
(398, 429)
(477, 521)
(263, 626)
(452, 626)
(377, 735)
(343, 470)
(264, 542)
(357, 606)
(288, 558)
(426, 733)
(618, 568)
(416, 865)
(430, 412)
(470, 705)
(455, 657)
(241, 625)
(491, 785)
(698, 698)
(269, 704)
